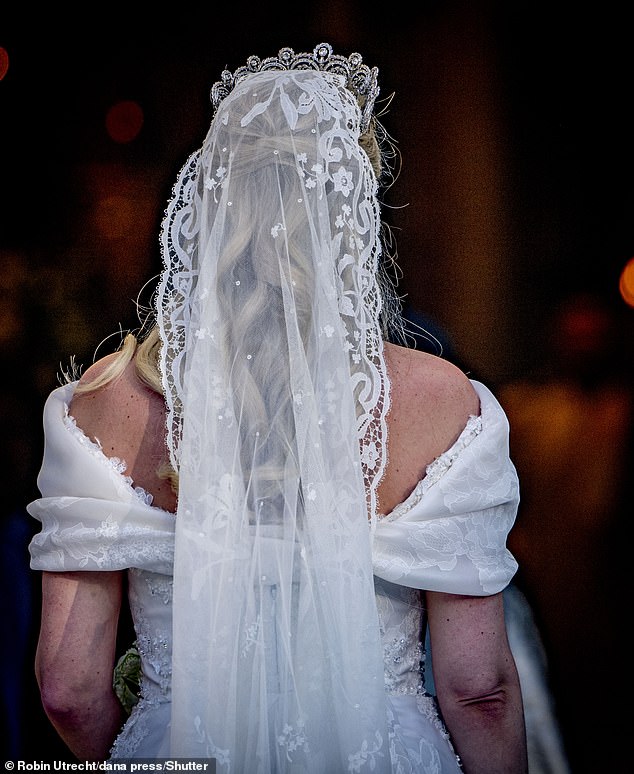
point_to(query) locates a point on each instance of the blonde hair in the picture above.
(145, 352)
(369, 142)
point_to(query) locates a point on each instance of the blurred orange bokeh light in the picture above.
(626, 283)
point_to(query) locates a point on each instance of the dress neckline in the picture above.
(436, 469)
(433, 472)
(116, 464)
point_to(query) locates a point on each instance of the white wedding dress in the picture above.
(449, 535)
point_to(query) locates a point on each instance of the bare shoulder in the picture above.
(431, 401)
(127, 419)
(431, 384)
(95, 411)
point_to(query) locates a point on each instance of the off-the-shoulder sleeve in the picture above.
(92, 517)
(453, 537)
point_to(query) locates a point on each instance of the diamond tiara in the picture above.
(361, 80)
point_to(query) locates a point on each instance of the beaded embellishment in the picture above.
(361, 80)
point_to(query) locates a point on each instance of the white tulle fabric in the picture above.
(268, 310)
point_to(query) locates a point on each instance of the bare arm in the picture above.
(75, 658)
(477, 684)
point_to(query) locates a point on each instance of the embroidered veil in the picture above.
(276, 387)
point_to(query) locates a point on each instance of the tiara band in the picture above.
(361, 80)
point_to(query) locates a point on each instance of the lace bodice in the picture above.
(448, 535)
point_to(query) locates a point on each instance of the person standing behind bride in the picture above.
(292, 498)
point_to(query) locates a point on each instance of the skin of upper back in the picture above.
(430, 403)
(127, 418)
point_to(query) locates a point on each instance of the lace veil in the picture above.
(272, 364)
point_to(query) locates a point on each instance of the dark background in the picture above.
(513, 122)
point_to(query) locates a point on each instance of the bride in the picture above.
(288, 499)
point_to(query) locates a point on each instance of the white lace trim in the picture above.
(96, 450)
(428, 706)
(437, 468)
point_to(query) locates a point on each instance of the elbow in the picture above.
(86, 719)
(483, 703)
(66, 700)
(61, 701)
(490, 705)
(487, 718)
